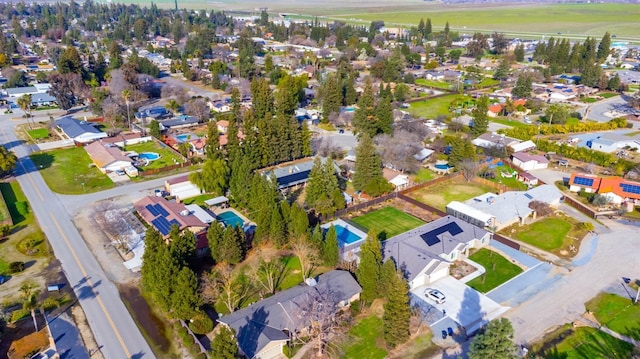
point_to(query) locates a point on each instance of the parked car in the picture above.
(444, 334)
(120, 172)
(435, 295)
(2, 279)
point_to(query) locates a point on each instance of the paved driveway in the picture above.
(67, 338)
(464, 305)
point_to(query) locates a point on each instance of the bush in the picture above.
(19, 314)
(5, 230)
(16, 267)
(188, 341)
(201, 324)
(588, 226)
(22, 207)
(51, 303)
(183, 333)
(194, 349)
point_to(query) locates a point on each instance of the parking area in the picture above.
(464, 305)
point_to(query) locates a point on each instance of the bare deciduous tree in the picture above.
(230, 288)
(398, 150)
(198, 108)
(541, 208)
(307, 255)
(270, 274)
(469, 168)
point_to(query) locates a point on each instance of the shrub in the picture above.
(183, 333)
(201, 324)
(5, 230)
(587, 226)
(188, 341)
(16, 267)
(51, 303)
(22, 207)
(194, 349)
(19, 314)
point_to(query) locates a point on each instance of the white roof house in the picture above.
(79, 131)
(470, 214)
(528, 162)
(182, 188)
(400, 181)
(523, 146)
(200, 213)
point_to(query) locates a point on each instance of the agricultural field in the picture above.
(388, 221)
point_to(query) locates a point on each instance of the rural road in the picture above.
(112, 325)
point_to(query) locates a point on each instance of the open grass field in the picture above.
(582, 343)
(168, 157)
(424, 175)
(616, 313)
(547, 234)
(65, 171)
(365, 341)
(432, 108)
(441, 194)
(388, 221)
(494, 276)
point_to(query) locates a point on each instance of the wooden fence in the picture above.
(580, 207)
(506, 241)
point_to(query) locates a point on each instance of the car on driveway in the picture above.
(435, 295)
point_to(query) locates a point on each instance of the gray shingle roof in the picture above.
(265, 321)
(74, 128)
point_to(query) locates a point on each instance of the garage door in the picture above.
(439, 274)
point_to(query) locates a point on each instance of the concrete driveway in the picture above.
(464, 305)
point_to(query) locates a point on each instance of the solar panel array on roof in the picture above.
(162, 225)
(293, 178)
(431, 237)
(630, 188)
(152, 209)
(163, 212)
(583, 181)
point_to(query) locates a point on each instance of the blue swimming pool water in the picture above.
(442, 166)
(345, 236)
(186, 137)
(149, 156)
(230, 219)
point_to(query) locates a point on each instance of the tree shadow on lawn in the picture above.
(42, 160)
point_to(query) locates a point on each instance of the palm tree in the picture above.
(25, 104)
(126, 94)
(30, 301)
(173, 106)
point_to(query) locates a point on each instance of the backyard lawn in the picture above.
(388, 221)
(582, 343)
(424, 175)
(433, 107)
(168, 157)
(494, 276)
(511, 182)
(38, 133)
(549, 234)
(431, 83)
(508, 122)
(365, 336)
(66, 170)
(441, 194)
(616, 313)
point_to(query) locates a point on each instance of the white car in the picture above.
(435, 295)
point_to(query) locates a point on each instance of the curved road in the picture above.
(114, 330)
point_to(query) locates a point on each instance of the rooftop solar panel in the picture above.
(152, 210)
(431, 237)
(294, 178)
(161, 225)
(583, 181)
(161, 210)
(174, 222)
(630, 188)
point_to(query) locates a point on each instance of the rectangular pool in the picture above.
(230, 219)
(345, 236)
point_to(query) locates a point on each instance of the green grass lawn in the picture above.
(608, 94)
(548, 233)
(4, 267)
(507, 122)
(65, 170)
(488, 82)
(441, 194)
(589, 100)
(504, 270)
(199, 200)
(582, 343)
(431, 83)
(365, 337)
(388, 221)
(13, 194)
(511, 182)
(432, 108)
(38, 133)
(424, 175)
(616, 313)
(168, 157)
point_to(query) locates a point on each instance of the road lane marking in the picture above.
(95, 294)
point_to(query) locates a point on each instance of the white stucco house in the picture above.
(528, 162)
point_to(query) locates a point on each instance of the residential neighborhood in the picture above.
(253, 183)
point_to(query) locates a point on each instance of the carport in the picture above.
(466, 306)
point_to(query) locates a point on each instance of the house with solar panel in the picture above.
(293, 174)
(424, 254)
(162, 215)
(617, 190)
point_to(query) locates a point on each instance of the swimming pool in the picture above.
(442, 166)
(345, 236)
(186, 137)
(230, 219)
(149, 156)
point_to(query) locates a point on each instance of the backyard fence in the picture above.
(580, 207)
(154, 171)
(506, 241)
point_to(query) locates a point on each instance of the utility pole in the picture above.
(176, 2)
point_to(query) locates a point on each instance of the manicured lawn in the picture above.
(432, 108)
(507, 122)
(199, 200)
(13, 194)
(582, 343)
(494, 276)
(441, 194)
(511, 182)
(431, 83)
(65, 170)
(488, 82)
(365, 336)
(548, 233)
(38, 133)
(616, 313)
(168, 157)
(4, 267)
(388, 220)
(589, 100)
(608, 94)
(424, 175)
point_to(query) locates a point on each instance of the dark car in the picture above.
(2, 279)
(444, 334)
(450, 331)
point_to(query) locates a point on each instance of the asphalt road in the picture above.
(114, 329)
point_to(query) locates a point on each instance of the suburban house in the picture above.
(494, 140)
(616, 189)
(611, 142)
(179, 122)
(264, 328)
(423, 155)
(424, 254)
(499, 211)
(223, 126)
(527, 178)
(106, 157)
(182, 188)
(527, 145)
(294, 173)
(528, 162)
(79, 131)
(43, 99)
(162, 215)
(153, 113)
(126, 138)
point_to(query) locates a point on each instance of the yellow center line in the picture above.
(84, 273)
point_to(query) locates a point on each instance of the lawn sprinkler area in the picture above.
(441, 194)
(387, 221)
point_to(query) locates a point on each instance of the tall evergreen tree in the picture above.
(495, 342)
(364, 116)
(224, 345)
(262, 98)
(523, 87)
(480, 117)
(502, 71)
(519, 52)
(331, 97)
(397, 312)
(368, 272)
(215, 234)
(321, 187)
(185, 299)
(384, 115)
(387, 276)
(368, 169)
(212, 146)
(330, 249)
(428, 29)
(604, 47)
